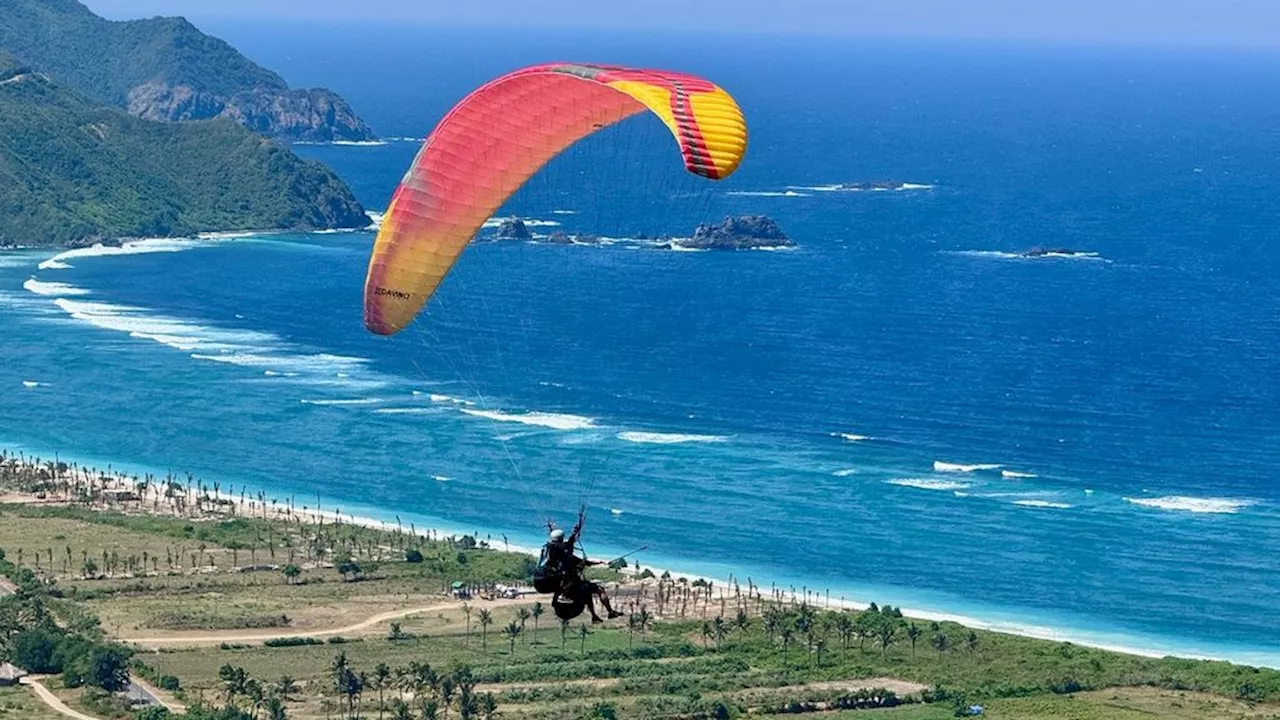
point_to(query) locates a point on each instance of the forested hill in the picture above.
(72, 170)
(167, 69)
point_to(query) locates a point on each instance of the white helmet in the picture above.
(557, 535)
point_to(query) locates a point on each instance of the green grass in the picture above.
(17, 703)
(669, 671)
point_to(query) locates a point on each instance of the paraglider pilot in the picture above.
(560, 572)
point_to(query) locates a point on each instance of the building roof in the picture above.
(11, 672)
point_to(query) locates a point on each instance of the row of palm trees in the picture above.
(423, 692)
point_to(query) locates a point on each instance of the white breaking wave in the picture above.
(939, 466)
(438, 398)
(841, 187)
(668, 438)
(406, 411)
(1005, 255)
(564, 212)
(494, 222)
(15, 261)
(53, 289)
(29, 384)
(1186, 503)
(1010, 474)
(769, 193)
(1042, 504)
(846, 472)
(441, 478)
(133, 247)
(555, 421)
(851, 437)
(615, 512)
(345, 143)
(927, 484)
(344, 402)
(245, 348)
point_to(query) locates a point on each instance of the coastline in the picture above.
(386, 520)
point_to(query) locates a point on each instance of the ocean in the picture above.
(904, 409)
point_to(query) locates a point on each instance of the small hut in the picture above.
(10, 674)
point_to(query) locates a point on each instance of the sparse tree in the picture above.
(512, 631)
(486, 619)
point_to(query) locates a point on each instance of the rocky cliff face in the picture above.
(315, 115)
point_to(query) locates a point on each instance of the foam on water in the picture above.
(844, 188)
(554, 421)
(768, 193)
(30, 384)
(343, 402)
(245, 348)
(1185, 503)
(946, 467)
(1042, 504)
(406, 411)
(851, 437)
(133, 247)
(845, 472)
(53, 289)
(494, 222)
(1012, 475)
(1006, 255)
(928, 484)
(657, 438)
(449, 400)
(441, 478)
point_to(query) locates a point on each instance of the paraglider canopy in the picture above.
(492, 141)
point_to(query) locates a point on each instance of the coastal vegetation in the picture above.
(164, 68)
(214, 593)
(73, 172)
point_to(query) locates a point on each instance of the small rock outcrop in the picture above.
(745, 232)
(513, 229)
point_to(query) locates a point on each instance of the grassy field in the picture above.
(19, 703)
(204, 616)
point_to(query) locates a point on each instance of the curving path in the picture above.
(52, 700)
(233, 636)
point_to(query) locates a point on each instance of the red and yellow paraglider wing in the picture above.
(488, 145)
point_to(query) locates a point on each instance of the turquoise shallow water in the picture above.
(903, 410)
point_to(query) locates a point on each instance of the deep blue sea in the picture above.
(901, 410)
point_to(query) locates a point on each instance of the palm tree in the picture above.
(512, 631)
(786, 646)
(583, 632)
(772, 621)
(913, 633)
(401, 711)
(486, 619)
(564, 631)
(718, 628)
(466, 611)
(741, 620)
(536, 612)
(286, 687)
(523, 615)
(381, 677)
(886, 634)
(971, 642)
(941, 643)
(707, 632)
(844, 628)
